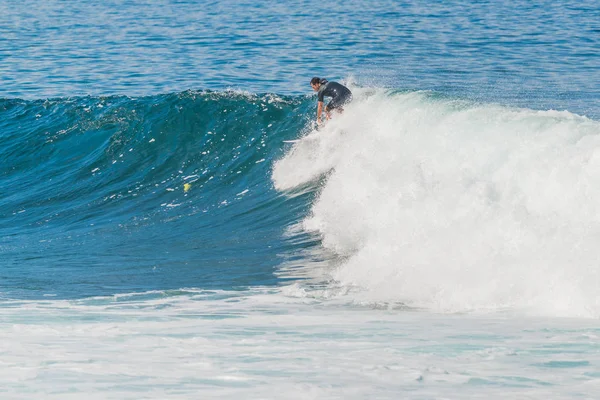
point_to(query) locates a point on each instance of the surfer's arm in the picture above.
(319, 111)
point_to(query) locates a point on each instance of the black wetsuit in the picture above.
(339, 93)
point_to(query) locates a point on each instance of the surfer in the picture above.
(340, 96)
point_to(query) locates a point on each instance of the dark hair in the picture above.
(316, 80)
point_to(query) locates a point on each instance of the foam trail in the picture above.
(457, 207)
(251, 344)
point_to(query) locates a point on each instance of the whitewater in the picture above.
(453, 206)
(278, 344)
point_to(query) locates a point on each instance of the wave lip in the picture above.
(455, 206)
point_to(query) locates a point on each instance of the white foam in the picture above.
(263, 344)
(457, 207)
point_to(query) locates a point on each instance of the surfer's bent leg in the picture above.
(337, 105)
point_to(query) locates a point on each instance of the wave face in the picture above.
(115, 194)
(454, 206)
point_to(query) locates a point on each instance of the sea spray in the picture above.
(454, 206)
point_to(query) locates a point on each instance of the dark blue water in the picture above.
(536, 54)
(108, 109)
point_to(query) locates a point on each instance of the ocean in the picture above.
(161, 237)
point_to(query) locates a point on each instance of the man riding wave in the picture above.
(340, 96)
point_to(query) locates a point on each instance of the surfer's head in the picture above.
(316, 82)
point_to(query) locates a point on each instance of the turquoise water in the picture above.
(159, 239)
(95, 202)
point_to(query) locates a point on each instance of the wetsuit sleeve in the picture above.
(321, 95)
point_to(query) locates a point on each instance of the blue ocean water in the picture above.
(438, 237)
(535, 54)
